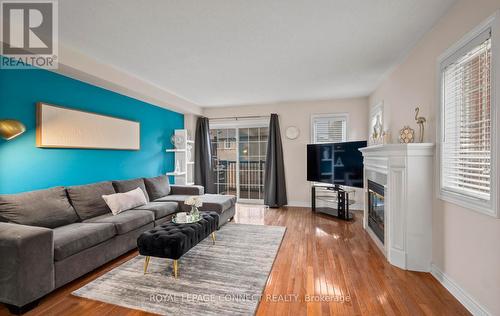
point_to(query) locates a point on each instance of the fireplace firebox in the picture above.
(376, 208)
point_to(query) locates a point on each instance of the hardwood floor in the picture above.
(320, 258)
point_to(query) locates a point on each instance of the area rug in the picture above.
(227, 278)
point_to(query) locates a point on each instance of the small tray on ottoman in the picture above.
(172, 240)
(189, 219)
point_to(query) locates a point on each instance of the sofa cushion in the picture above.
(173, 198)
(187, 189)
(125, 221)
(160, 209)
(211, 202)
(74, 238)
(157, 187)
(45, 208)
(87, 199)
(123, 186)
(216, 202)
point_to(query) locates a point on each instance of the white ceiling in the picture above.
(232, 52)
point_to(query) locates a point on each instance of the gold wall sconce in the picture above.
(10, 129)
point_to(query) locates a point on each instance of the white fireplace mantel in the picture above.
(406, 171)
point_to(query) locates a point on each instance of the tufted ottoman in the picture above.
(172, 240)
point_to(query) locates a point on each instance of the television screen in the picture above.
(336, 163)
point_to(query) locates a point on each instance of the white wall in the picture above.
(190, 124)
(294, 151)
(77, 65)
(466, 244)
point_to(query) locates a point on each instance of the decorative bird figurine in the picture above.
(420, 121)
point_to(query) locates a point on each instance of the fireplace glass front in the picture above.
(376, 208)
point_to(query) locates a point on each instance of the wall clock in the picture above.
(292, 132)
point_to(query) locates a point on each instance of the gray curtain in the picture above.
(203, 171)
(274, 182)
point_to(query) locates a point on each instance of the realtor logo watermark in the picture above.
(29, 35)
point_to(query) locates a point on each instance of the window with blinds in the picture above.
(329, 128)
(466, 116)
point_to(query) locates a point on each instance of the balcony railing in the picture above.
(251, 175)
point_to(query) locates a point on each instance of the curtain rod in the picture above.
(239, 117)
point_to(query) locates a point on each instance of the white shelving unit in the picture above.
(176, 174)
(183, 156)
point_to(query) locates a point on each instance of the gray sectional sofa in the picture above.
(51, 237)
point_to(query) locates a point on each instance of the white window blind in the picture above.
(329, 128)
(466, 120)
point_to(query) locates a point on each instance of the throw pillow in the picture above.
(123, 186)
(87, 201)
(157, 187)
(120, 202)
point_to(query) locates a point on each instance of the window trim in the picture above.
(344, 116)
(491, 207)
(239, 122)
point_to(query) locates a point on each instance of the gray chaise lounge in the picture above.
(51, 237)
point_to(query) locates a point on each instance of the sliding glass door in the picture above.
(225, 157)
(239, 155)
(252, 158)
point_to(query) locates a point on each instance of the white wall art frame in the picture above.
(61, 127)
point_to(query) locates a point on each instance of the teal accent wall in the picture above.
(24, 167)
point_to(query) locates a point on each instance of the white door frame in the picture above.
(237, 124)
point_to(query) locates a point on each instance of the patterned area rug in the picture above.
(227, 278)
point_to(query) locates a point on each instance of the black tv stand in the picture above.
(338, 198)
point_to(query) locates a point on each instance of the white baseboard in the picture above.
(460, 294)
(290, 203)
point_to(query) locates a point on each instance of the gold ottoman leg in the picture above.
(176, 268)
(213, 237)
(146, 263)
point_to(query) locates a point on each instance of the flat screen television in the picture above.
(336, 163)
